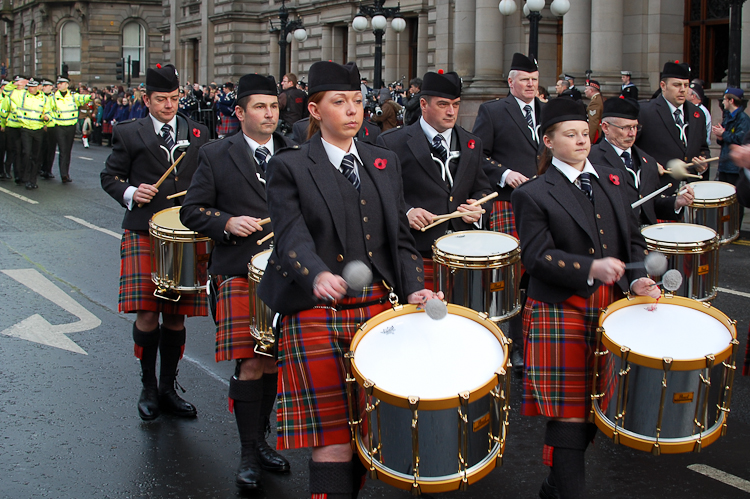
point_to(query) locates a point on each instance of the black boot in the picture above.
(269, 459)
(569, 442)
(359, 475)
(247, 397)
(146, 348)
(332, 479)
(171, 348)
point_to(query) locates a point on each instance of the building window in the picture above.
(706, 39)
(70, 47)
(134, 43)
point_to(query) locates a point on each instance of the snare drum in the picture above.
(715, 206)
(691, 249)
(674, 371)
(180, 256)
(261, 322)
(435, 394)
(480, 270)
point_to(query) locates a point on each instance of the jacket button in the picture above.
(369, 253)
(176, 179)
(420, 279)
(604, 246)
(450, 199)
(561, 264)
(419, 270)
(363, 202)
(297, 265)
(217, 214)
(278, 267)
(271, 262)
(414, 257)
(292, 254)
(340, 258)
(548, 258)
(202, 209)
(365, 219)
(591, 251)
(601, 231)
(367, 237)
(208, 212)
(284, 274)
(576, 265)
(599, 216)
(305, 271)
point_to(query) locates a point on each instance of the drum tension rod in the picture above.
(370, 408)
(463, 438)
(666, 363)
(701, 405)
(354, 419)
(622, 393)
(729, 371)
(416, 490)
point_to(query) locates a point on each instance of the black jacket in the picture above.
(226, 185)
(139, 156)
(368, 133)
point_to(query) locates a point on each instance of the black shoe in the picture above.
(249, 472)
(46, 176)
(19, 181)
(29, 186)
(548, 491)
(516, 358)
(171, 403)
(148, 403)
(65, 179)
(270, 460)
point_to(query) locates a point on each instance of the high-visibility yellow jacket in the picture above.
(29, 109)
(51, 123)
(65, 107)
(9, 119)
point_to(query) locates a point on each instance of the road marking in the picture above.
(84, 157)
(721, 476)
(92, 226)
(36, 328)
(206, 369)
(741, 242)
(22, 198)
(733, 292)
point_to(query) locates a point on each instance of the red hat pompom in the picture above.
(158, 66)
(676, 62)
(440, 71)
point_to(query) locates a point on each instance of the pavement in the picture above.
(69, 382)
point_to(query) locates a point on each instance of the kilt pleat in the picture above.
(502, 218)
(233, 338)
(560, 341)
(312, 408)
(137, 288)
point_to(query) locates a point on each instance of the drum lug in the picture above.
(167, 294)
(351, 381)
(413, 407)
(463, 437)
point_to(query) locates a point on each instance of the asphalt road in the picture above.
(68, 421)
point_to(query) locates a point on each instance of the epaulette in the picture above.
(392, 130)
(131, 120)
(295, 147)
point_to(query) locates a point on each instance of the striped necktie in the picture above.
(167, 135)
(437, 143)
(261, 156)
(585, 179)
(347, 168)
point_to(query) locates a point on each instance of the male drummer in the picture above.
(441, 165)
(227, 201)
(143, 150)
(620, 127)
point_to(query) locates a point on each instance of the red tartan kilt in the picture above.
(106, 127)
(137, 288)
(227, 125)
(502, 218)
(429, 274)
(312, 409)
(233, 338)
(560, 340)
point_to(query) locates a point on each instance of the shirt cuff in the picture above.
(502, 179)
(590, 281)
(128, 196)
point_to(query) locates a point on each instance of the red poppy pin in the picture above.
(380, 163)
(196, 132)
(614, 179)
(696, 114)
(644, 159)
(471, 144)
(367, 132)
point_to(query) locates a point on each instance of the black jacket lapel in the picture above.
(322, 173)
(239, 152)
(561, 191)
(421, 150)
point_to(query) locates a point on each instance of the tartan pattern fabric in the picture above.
(106, 127)
(228, 125)
(559, 340)
(429, 274)
(137, 288)
(233, 338)
(502, 218)
(312, 409)
(746, 364)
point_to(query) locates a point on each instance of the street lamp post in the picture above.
(286, 29)
(379, 15)
(735, 42)
(532, 10)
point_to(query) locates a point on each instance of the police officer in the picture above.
(47, 156)
(12, 128)
(66, 106)
(230, 181)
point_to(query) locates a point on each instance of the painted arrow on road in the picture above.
(36, 328)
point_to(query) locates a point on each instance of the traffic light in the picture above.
(64, 70)
(135, 69)
(120, 70)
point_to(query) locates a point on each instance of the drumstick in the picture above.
(475, 203)
(703, 161)
(176, 195)
(264, 221)
(166, 174)
(264, 239)
(655, 193)
(455, 214)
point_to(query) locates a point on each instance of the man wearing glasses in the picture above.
(620, 127)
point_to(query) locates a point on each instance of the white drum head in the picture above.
(712, 190)
(260, 260)
(413, 355)
(678, 233)
(477, 243)
(669, 331)
(169, 219)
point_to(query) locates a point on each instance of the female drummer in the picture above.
(332, 201)
(577, 232)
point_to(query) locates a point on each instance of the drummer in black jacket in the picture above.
(332, 201)
(227, 201)
(143, 150)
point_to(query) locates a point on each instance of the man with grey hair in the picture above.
(509, 129)
(695, 95)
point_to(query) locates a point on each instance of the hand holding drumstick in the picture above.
(244, 226)
(467, 211)
(146, 192)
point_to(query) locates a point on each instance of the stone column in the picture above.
(745, 61)
(444, 34)
(390, 49)
(351, 49)
(422, 44)
(273, 55)
(326, 47)
(464, 38)
(606, 39)
(172, 33)
(294, 56)
(488, 54)
(576, 44)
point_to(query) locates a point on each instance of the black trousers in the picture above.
(64, 136)
(47, 155)
(3, 168)
(13, 151)
(31, 146)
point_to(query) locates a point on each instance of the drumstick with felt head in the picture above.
(166, 174)
(457, 213)
(678, 168)
(264, 239)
